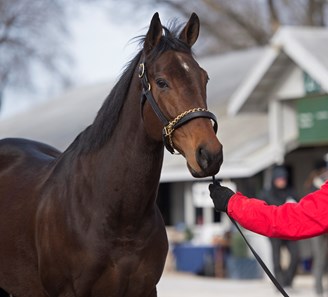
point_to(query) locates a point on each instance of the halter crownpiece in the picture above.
(178, 121)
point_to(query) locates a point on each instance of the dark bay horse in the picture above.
(84, 222)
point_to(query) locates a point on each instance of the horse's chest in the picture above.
(131, 275)
(133, 267)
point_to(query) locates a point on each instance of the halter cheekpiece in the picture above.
(170, 125)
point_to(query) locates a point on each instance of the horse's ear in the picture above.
(154, 33)
(190, 32)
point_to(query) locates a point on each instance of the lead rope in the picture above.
(258, 258)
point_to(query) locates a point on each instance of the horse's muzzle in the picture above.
(208, 162)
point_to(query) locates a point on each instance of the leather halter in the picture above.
(170, 125)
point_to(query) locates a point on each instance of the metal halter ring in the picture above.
(141, 70)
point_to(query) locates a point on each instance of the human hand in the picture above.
(220, 196)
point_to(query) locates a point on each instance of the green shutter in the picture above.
(313, 120)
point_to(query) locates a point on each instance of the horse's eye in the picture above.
(161, 83)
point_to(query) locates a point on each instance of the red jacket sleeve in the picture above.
(293, 221)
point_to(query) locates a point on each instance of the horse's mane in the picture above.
(97, 134)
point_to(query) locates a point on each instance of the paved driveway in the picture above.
(175, 284)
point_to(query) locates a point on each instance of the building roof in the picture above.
(57, 121)
(245, 140)
(246, 149)
(226, 72)
(305, 47)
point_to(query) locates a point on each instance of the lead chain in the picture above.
(169, 128)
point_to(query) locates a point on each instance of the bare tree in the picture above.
(31, 38)
(237, 24)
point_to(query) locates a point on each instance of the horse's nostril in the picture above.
(202, 158)
(209, 162)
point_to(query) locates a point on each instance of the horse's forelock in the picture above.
(169, 41)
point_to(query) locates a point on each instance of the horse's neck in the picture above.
(123, 175)
(134, 161)
(130, 150)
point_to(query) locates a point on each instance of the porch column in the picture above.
(276, 130)
(189, 211)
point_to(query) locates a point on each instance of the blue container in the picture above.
(195, 259)
(243, 268)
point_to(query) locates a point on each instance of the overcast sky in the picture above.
(100, 46)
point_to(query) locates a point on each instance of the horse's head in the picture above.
(175, 97)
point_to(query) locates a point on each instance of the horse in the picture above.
(84, 222)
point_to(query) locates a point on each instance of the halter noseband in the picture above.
(178, 121)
